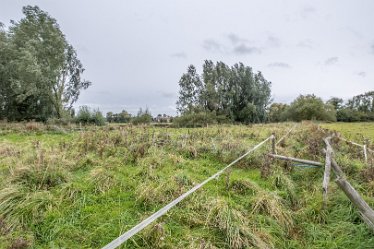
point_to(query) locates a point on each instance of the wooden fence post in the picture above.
(366, 142)
(326, 175)
(273, 143)
(365, 210)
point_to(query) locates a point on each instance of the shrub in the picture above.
(97, 118)
(60, 121)
(87, 116)
(351, 115)
(310, 107)
(143, 117)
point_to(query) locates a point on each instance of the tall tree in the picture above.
(43, 73)
(189, 90)
(337, 103)
(209, 95)
(235, 92)
(224, 88)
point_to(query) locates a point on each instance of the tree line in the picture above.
(41, 79)
(311, 107)
(40, 73)
(236, 94)
(221, 92)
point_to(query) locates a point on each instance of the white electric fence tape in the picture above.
(285, 135)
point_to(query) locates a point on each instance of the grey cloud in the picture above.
(354, 32)
(307, 43)
(212, 45)
(238, 45)
(167, 95)
(273, 41)
(372, 48)
(181, 55)
(362, 74)
(241, 45)
(331, 61)
(235, 38)
(279, 64)
(308, 11)
(245, 49)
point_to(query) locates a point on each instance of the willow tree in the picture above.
(235, 92)
(40, 69)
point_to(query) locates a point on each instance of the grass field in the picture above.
(82, 189)
(357, 132)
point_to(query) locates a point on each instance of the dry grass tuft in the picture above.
(243, 187)
(152, 192)
(102, 178)
(20, 243)
(155, 237)
(44, 176)
(235, 227)
(19, 207)
(7, 150)
(270, 204)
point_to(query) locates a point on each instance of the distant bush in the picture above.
(200, 119)
(351, 115)
(87, 116)
(310, 107)
(122, 117)
(143, 117)
(60, 121)
(359, 108)
(277, 112)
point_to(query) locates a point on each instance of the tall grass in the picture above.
(83, 188)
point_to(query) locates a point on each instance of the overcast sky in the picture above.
(134, 52)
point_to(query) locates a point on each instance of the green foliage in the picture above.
(359, 108)
(337, 103)
(87, 116)
(40, 74)
(310, 107)
(235, 92)
(142, 117)
(277, 112)
(122, 117)
(350, 115)
(190, 89)
(199, 119)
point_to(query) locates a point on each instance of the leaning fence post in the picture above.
(273, 143)
(365, 210)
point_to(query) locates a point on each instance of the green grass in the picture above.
(356, 132)
(81, 189)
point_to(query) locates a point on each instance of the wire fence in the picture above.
(140, 226)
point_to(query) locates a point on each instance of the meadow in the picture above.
(71, 188)
(357, 132)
